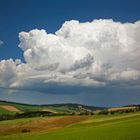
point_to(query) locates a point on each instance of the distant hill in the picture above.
(7, 107)
(19, 107)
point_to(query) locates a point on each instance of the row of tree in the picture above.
(26, 115)
(121, 111)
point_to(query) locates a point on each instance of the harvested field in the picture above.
(50, 110)
(97, 127)
(121, 108)
(10, 108)
(47, 124)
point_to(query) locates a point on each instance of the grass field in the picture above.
(21, 107)
(99, 127)
(3, 111)
(57, 108)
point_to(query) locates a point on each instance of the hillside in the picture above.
(103, 127)
(12, 107)
(33, 122)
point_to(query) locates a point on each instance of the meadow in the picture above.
(97, 127)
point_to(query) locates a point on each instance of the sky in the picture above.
(77, 51)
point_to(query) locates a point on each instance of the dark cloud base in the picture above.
(97, 97)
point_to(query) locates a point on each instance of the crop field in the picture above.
(4, 111)
(12, 107)
(96, 127)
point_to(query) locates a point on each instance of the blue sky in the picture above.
(25, 15)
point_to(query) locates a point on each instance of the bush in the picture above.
(112, 112)
(91, 113)
(25, 130)
(104, 112)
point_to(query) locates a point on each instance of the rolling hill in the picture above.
(66, 126)
(97, 127)
(13, 107)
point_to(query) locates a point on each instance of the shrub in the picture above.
(25, 130)
(112, 112)
(104, 112)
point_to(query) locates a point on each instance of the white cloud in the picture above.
(94, 53)
(1, 42)
(8, 69)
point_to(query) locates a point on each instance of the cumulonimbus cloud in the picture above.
(96, 53)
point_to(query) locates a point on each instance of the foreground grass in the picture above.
(109, 127)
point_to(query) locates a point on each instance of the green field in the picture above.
(22, 107)
(98, 127)
(58, 108)
(3, 111)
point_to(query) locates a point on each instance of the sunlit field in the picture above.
(97, 127)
